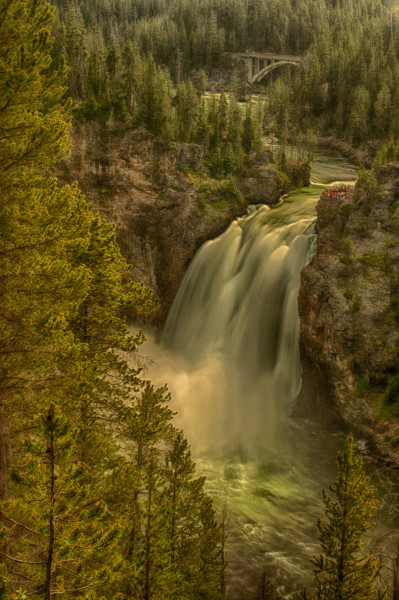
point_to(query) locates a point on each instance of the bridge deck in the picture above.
(266, 56)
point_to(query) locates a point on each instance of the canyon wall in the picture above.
(160, 199)
(349, 311)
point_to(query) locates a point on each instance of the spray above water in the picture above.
(237, 306)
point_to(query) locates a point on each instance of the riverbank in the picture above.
(358, 156)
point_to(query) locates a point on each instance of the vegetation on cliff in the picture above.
(98, 492)
(357, 248)
(97, 487)
(347, 82)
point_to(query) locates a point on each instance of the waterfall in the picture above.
(237, 306)
(229, 353)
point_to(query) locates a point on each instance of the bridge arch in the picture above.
(259, 65)
(266, 70)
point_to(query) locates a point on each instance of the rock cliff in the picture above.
(349, 311)
(163, 204)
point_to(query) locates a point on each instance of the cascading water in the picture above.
(238, 305)
(230, 356)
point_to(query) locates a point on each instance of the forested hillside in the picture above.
(348, 80)
(99, 497)
(97, 487)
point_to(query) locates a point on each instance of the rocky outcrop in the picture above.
(163, 206)
(364, 155)
(349, 310)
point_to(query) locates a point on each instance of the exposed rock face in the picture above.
(348, 307)
(162, 214)
(364, 155)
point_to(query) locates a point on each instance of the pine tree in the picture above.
(62, 344)
(211, 568)
(75, 49)
(234, 130)
(132, 76)
(201, 83)
(155, 99)
(145, 427)
(248, 133)
(201, 128)
(266, 590)
(344, 571)
(359, 114)
(213, 124)
(186, 110)
(228, 158)
(223, 107)
(41, 224)
(56, 530)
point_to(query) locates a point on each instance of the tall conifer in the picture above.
(343, 571)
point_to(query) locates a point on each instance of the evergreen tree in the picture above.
(155, 98)
(75, 49)
(186, 110)
(145, 427)
(63, 528)
(359, 114)
(187, 533)
(201, 128)
(41, 224)
(248, 133)
(266, 590)
(65, 288)
(344, 571)
(228, 158)
(201, 83)
(213, 124)
(132, 76)
(223, 108)
(234, 128)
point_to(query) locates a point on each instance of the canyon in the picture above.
(163, 204)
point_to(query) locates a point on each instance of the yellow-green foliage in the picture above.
(70, 400)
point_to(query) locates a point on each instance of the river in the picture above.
(229, 354)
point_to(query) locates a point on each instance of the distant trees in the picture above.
(349, 80)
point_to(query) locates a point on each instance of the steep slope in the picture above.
(348, 306)
(163, 204)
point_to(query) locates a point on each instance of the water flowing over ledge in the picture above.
(238, 305)
(230, 355)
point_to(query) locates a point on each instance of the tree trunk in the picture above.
(147, 589)
(395, 586)
(49, 562)
(135, 520)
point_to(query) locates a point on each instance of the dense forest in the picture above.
(99, 498)
(97, 486)
(347, 82)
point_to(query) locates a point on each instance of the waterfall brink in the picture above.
(235, 319)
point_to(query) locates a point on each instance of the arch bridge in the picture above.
(259, 65)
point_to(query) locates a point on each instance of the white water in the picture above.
(230, 356)
(236, 311)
